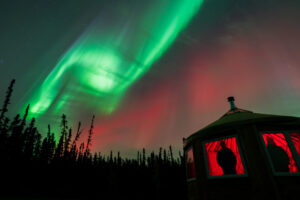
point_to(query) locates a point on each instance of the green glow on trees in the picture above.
(107, 59)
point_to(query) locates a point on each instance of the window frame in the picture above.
(186, 167)
(240, 152)
(291, 146)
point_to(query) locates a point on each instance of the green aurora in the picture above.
(106, 60)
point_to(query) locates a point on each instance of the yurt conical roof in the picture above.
(237, 117)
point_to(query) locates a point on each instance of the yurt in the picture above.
(244, 155)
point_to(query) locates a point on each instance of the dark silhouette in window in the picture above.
(226, 159)
(279, 157)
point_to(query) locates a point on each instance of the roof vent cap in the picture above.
(231, 102)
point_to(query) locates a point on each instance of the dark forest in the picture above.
(33, 166)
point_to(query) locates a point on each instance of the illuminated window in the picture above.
(223, 157)
(279, 151)
(190, 165)
(296, 141)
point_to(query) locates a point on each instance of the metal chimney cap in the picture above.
(230, 99)
(231, 102)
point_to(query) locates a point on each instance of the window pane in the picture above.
(280, 152)
(296, 141)
(223, 157)
(190, 164)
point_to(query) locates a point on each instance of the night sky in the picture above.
(151, 71)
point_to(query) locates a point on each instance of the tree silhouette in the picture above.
(4, 109)
(39, 166)
(88, 144)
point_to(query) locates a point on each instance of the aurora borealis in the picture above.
(152, 72)
(104, 63)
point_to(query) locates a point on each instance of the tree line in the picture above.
(33, 165)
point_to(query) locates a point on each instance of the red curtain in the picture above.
(211, 151)
(190, 164)
(279, 140)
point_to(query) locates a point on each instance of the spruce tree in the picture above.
(171, 154)
(29, 140)
(74, 150)
(144, 157)
(37, 146)
(88, 144)
(67, 144)
(23, 123)
(60, 147)
(6, 102)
